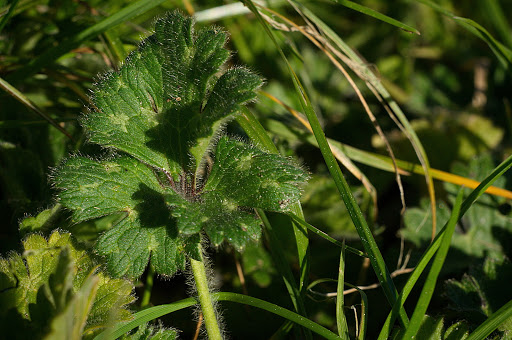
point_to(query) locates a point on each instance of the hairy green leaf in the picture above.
(163, 104)
(165, 108)
(93, 189)
(39, 285)
(242, 178)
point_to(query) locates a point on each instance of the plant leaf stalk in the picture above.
(205, 299)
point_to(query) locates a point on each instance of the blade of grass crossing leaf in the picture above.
(282, 266)
(374, 83)
(377, 15)
(30, 105)
(259, 136)
(341, 321)
(52, 54)
(434, 246)
(354, 211)
(493, 322)
(430, 283)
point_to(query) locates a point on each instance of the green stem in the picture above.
(146, 296)
(203, 293)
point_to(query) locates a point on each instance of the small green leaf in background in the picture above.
(482, 292)
(39, 285)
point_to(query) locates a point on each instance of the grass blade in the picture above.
(144, 316)
(30, 105)
(155, 312)
(259, 136)
(375, 85)
(431, 250)
(503, 53)
(341, 321)
(353, 209)
(493, 322)
(364, 315)
(54, 53)
(272, 308)
(320, 233)
(430, 283)
(8, 15)
(377, 15)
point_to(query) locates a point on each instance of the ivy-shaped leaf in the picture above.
(37, 286)
(165, 108)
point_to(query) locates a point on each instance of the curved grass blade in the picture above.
(52, 54)
(385, 163)
(430, 283)
(375, 84)
(259, 136)
(272, 308)
(503, 53)
(158, 311)
(431, 250)
(355, 213)
(144, 316)
(364, 315)
(341, 321)
(30, 105)
(7, 16)
(377, 15)
(320, 233)
(493, 322)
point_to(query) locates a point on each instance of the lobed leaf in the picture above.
(242, 178)
(165, 103)
(50, 277)
(97, 188)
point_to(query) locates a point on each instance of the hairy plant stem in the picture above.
(203, 293)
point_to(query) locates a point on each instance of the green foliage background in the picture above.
(430, 75)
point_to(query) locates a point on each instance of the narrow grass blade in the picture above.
(272, 308)
(377, 15)
(493, 322)
(54, 53)
(283, 268)
(30, 105)
(144, 316)
(353, 209)
(385, 163)
(326, 236)
(6, 17)
(341, 321)
(259, 136)
(496, 16)
(430, 283)
(375, 85)
(434, 246)
(363, 325)
(503, 53)
(155, 312)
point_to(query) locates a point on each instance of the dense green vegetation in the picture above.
(121, 206)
